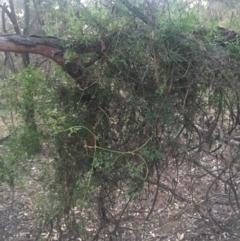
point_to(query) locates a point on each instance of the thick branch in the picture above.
(53, 48)
(49, 47)
(13, 19)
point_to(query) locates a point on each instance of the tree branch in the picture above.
(136, 11)
(53, 48)
(49, 47)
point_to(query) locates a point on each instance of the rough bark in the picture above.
(46, 46)
(49, 47)
(53, 48)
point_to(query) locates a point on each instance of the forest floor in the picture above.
(182, 203)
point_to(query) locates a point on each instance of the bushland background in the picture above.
(135, 136)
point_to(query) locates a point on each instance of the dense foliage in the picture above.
(165, 91)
